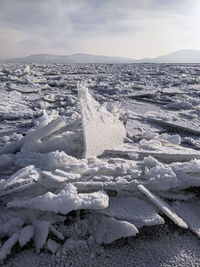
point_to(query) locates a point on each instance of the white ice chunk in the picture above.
(173, 139)
(53, 246)
(151, 144)
(41, 230)
(188, 173)
(101, 129)
(55, 232)
(6, 161)
(163, 206)
(7, 246)
(33, 140)
(28, 88)
(133, 210)
(26, 175)
(191, 168)
(168, 153)
(160, 176)
(25, 235)
(67, 200)
(27, 69)
(49, 161)
(105, 230)
(51, 180)
(10, 227)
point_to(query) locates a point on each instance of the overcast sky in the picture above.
(128, 28)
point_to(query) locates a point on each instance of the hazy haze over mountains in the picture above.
(181, 56)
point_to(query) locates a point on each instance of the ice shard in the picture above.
(101, 129)
(163, 206)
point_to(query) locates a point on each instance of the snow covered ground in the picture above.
(99, 164)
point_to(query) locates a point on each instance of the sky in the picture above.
(128, 28)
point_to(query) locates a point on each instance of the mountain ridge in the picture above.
(180, 56)
(74, 58)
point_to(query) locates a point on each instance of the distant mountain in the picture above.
(74, 58)
(181, 56)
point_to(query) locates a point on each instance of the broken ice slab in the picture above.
(7, 246)
(168, 153)
(25, 235)
(178, 126)
(163, 206)
(28, 88)
(105, 230)
(150, 94)
(33, 139)
(13, 107)
(65, 201)
(101, 129)
(41, 230)
(24, 176)
(133, 210)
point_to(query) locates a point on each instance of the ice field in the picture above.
(99, 164)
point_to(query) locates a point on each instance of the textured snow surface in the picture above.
(90, 154)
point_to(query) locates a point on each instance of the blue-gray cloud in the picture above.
(29, 26)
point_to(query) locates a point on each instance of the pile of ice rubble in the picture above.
(87, 164)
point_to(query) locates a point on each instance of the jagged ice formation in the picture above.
(55, 170)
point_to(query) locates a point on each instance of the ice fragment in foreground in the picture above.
(7, 246)
(105, 230)
(133, 210)
(65, 201)
(53, 246)
(41, 233)
(162, 205)
(101, 129)
(25, 235)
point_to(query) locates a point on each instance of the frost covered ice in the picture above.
(101, 129)
(76, 172)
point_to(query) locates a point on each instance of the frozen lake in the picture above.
(69, 179)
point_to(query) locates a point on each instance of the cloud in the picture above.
(110, 27)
